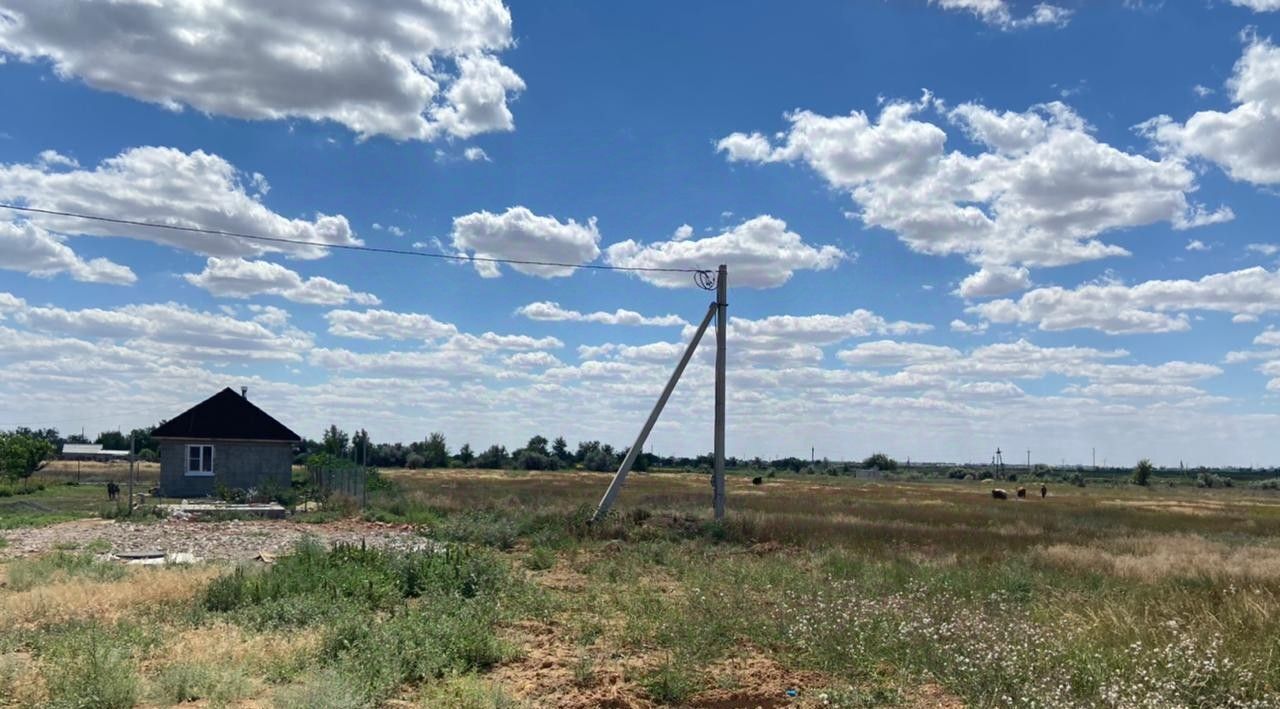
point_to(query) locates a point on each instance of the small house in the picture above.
(224, 441)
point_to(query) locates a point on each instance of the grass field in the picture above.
(841, 592)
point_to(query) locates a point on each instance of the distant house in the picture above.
(223, 441)
(91, 451)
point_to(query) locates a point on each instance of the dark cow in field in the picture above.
(1043, 491)
(999, 494)
(113, 491)
(757, 481)
(1022, 492)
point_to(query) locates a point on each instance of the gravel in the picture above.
(238, 540)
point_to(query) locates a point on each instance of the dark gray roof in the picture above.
(226, 414)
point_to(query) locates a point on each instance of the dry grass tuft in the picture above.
(226, 644)
(1155, 558)
(21, 682)
(83, 599)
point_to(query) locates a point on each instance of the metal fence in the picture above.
(338, 477)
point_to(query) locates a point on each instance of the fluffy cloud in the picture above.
(1242, 140)
(994, 280)
(1258, 5)
(997, 13)
(520, 234)
(409, 69)
(760, 253)
(171, 330)
(818, 329)
(888, 353)
(546, 310)
(1153, 306)
(29, 249)
(1039, 193)
(167, 186)
(238, 278)
(386, 324)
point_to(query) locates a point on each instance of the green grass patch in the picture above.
(25, 574)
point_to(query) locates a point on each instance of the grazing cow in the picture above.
(1043, 491)
(757, 481)
(999, 494)
(1022, 492)
(113, 491)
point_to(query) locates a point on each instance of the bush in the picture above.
(1269, 484)
(414, 461)
(879, 461)
(1142, 472)
(1207, 479)
(189, 682)
(88, 668)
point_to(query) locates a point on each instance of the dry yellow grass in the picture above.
(225, 644)
(1153, 558)
(21, 682)
(85, 599)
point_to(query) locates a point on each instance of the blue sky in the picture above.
(950, 225)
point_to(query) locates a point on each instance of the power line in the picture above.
(346, 247)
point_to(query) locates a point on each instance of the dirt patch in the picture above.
(755, 680)
(231, 541)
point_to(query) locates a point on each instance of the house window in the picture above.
(200, 460)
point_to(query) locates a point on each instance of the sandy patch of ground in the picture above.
(239, 540)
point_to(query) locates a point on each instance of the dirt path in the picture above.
(238, 540)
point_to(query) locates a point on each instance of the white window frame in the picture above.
(187, 461)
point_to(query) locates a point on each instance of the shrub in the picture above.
(88, 668)
(414, 461)
(879, 461)
(189, 681)
(1207, 479)
(1142, 472)
(669, 683)
(540, 559)
(1269, 484)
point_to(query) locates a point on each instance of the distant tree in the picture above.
(142, 440)
(538, 444)
(530, 459)
(585, 448)
(435, 452)
(599, 460)
(22, 455)
(880, 461)
(112, 440)
(560, 449)
(335, 441)
(494, 457)
(413, 461)
(361, 445)
(1142, 472)
(76, 438)
(465, 456)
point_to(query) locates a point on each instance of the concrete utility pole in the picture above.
(620, 477)
(722, 305)
(130, 502)
(715, 310)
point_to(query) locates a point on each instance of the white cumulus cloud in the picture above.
(1152, 306)
(998, 13)
(171, 187)
(407, 69)
(1039, 193)
(760, 253)
(547, 310)
(520, 234)
(27, 248)
(239, 278)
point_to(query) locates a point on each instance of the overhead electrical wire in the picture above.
(700, 273)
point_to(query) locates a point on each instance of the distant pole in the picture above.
(1028, 460)
(130, 502)
(1094, 452)
(722, 306)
